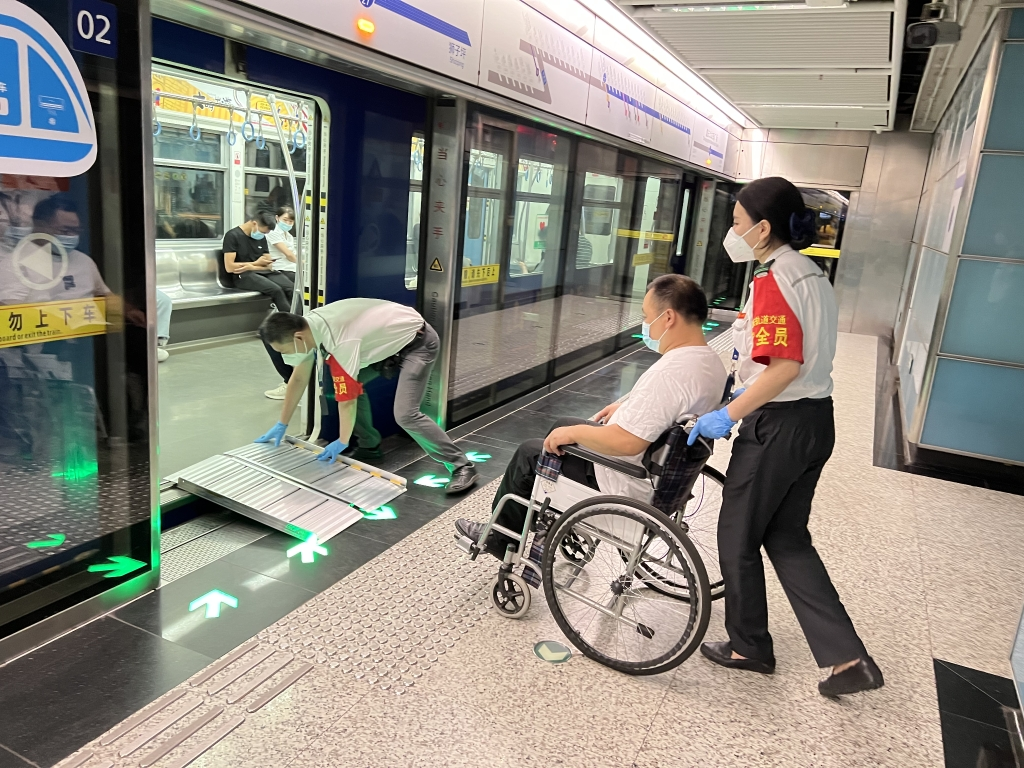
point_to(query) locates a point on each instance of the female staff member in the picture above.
(786, 339)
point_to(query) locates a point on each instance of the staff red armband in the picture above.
(345, 386)
(774, 324)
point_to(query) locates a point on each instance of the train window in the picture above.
(597, 240)
(174, 143)
(263, 191)
(272, 157)
(189, 203)
(412, 232)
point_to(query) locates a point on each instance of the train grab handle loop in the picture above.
(157, 128)
(251, 133)
(232, 137)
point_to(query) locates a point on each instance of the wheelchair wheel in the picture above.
(577, 546)
(511, 595)
(605, 605)
(699, 520)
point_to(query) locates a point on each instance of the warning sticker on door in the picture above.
(484, 275)
(50, 320)
(436, 266)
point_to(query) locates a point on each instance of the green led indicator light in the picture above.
(552, 652)
(51, 540)
(430, 481)
(118, 566)
(213, 601)
(478, 458)
(309, 549)
(380, 513)
(638, 335)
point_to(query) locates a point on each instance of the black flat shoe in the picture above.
(721, 653)
(862, 676)
(463, 479)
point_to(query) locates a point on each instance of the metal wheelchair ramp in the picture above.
(286, 488)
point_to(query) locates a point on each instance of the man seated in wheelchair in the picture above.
(689, 378)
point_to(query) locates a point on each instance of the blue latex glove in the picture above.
(274, 435)
(712, 425)
(332, 451)
(737, 393)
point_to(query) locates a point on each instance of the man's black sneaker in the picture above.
(463, 478)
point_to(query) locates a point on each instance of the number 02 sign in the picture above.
(94, 27)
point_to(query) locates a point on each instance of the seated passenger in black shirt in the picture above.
(248, 260)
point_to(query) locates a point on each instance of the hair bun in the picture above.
(802, 231)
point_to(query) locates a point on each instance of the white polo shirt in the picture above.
(685, 380)
(281, 262)
(360, 332)
(791, 313)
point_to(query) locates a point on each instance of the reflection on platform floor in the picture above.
(211, 400)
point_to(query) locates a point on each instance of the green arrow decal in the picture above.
(52, 540)
(213, 601)
(433, 482)
(118, 566)
(552, 651)
(309, 549)
(478, 458)
(380, 513)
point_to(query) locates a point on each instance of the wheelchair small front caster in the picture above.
(511, 595)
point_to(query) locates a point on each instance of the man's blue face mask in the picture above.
(645, 332)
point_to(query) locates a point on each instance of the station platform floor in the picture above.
(386, 652)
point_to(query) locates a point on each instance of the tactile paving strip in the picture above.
(287, 488)
(386, 625)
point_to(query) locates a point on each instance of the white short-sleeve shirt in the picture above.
(281, 262)
(685, 380)
(361, 332)
(791, 313)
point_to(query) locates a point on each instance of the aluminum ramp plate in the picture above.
(287, 488)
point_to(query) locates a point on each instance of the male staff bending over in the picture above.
(688, 378)
(355, 334)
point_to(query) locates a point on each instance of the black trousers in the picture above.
(777, 459)
(518, 479)
(278, 287)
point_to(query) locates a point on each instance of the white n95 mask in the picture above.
(737, 247)
(296, 358)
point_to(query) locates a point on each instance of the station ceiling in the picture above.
(786, 64)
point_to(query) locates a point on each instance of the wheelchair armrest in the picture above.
(605, 461)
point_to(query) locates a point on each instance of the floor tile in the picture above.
(519, 426)
(969, 744)
(9, 759)
(607, 388)
(568, 403)
(957, 696)
(70, 691)
(346, 552)
(262, 600)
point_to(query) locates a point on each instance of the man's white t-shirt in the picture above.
(281, 262)
(791, 313)
(361, 332)
(685, 380)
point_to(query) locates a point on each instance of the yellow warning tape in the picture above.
(828, 253)
(52, 320)
(664, 236)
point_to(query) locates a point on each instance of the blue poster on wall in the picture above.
(46, 120)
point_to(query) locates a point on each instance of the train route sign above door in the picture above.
(46, 121)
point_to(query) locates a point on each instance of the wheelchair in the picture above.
(626, 580)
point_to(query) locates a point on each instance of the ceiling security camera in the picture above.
(927, 34)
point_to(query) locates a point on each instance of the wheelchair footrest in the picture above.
(466, 544)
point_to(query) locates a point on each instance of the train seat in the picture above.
(195, 277)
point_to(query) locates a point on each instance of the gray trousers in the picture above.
(417, 361)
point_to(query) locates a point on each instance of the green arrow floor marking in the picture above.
(213, 601)
(309, 549)
(383, 512)
(478, 458)
(51, 540)
(118, 566)
(433, 482)
(552, 651)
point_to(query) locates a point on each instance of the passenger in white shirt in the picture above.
(689, 378)
(282, 241)
(365, 335)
